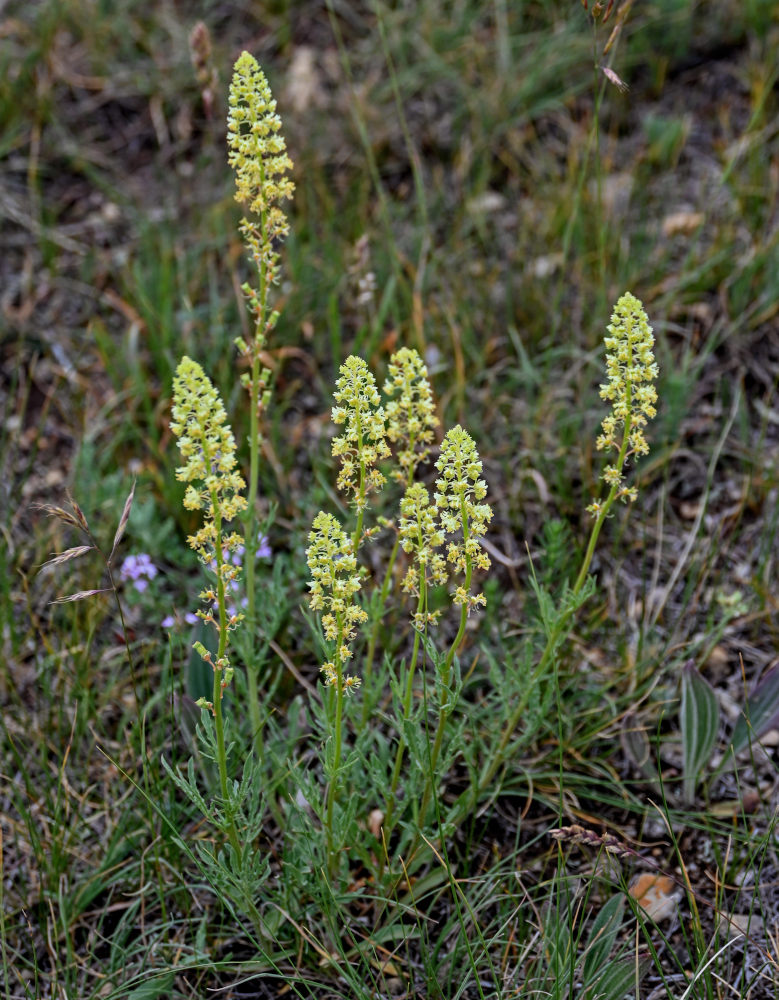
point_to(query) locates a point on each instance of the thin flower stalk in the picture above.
(632, 371)
(257, 154)
(334, 584)
(215, 487)
(463, 518)
(419, 535)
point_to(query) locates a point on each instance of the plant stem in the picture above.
(367, 672)
(218, 673)
(559, 626)
(389, 807)
(445, 709)
(250, 522)
(332, 788)
(250, 546)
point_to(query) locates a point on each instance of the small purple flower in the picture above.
(170, 621)
(138, 570)
(264, 551)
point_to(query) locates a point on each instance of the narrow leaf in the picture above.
(74, 553)
(761, 712)
(699, 720)
(619, 980)
(123, 520)
(81, 595)
(154, 986)
(605, 928)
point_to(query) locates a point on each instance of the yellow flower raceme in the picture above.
(411, 417)
(460, 489)
(258, 155)
(334, 583)
(420, 536)
(207, 446)
(257, 152)
(363, 441)
(632, 370)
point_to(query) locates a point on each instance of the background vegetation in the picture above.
(471, 184)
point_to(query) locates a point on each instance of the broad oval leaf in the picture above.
(761, 712)
(699, 721)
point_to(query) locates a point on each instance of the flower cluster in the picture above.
(631, 370)
(334, 583)
(207, 446)
(459, 490)
(138, 570)
(420, 535)
(411, 418)
(363, 441)
(257, 154)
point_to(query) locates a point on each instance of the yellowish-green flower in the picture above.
(632, 370)
(459, 492)
(363, 441)
(421, 535)
(411, 417)
(257, 152)
(334, 583)
(258, 155)
(207, 447)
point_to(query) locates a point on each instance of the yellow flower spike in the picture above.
(207, 446)
(257, 152)
(421, 536)
(411, 417)
(632, 370)
(363, 441)
(459, 492)
(334, 584)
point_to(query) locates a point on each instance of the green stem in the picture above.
(367, 672)
(217, 690)
(250, 522)
(332, 788)
(250, 546)
(408, 695)
(446, 675)
(560, 625)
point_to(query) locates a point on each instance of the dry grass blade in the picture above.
(123, 521)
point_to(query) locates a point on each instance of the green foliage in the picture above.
(699, 722)
(760, 713)
(471, 182)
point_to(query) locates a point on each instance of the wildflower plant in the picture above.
(384, 442)
(441, 536)
(632, 370)
(257, 153)
(214, 487)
